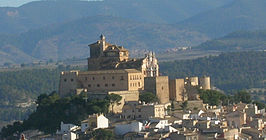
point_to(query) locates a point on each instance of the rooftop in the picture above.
(110, 71)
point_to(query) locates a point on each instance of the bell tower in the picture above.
(102, 44)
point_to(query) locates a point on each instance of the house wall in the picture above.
(122, 129)
(102, 122)
(236, 119)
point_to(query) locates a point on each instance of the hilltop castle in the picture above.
(111, 70)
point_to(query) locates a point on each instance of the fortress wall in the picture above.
(68, 83)
(176, 89)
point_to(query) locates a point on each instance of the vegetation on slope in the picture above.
(213, 97)
(228, 71)
(238, 15)
(52, 109)
(237, 41)
(22, 86)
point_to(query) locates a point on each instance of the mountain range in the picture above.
(62, 29)
(237, 41)
(40, 13)
(238, 15)
(71, 39)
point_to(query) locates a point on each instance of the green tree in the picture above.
(212, 97)
(259, 104)
(102, 134)
(242, 96)
(148, 97)
(114, 99)
(52, 110)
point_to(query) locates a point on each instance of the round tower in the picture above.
(205, 82)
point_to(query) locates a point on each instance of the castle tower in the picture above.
(205, 82)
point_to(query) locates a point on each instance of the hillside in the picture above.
(228, 71)
(19, 89)
(40, 13)
(62, 41)
(238, 15)
(237, 41)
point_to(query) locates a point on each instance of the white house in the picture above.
(67, 131)
(159, 125)
(122, 129)
(196, 115)
(95, 121)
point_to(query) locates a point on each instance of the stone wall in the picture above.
(126, 97)
(68, 83)
(159, 86)
(176, 89)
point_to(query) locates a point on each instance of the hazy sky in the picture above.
(13, 3)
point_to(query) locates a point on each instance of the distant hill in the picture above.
(238, 15)
(228, 71)
(18, 88)
(40, 13)
(61, 41)
(237, 41)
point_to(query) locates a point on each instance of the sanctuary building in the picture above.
(109, 69)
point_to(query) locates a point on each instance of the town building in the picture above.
(133, 110)
(68, 131)
(135, 126)
(93, 122)
(236, 119)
